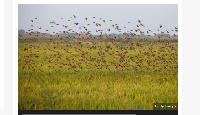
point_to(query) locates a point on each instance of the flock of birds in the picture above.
(102, 33)
(85, 53)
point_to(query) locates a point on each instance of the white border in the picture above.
(15, 39)
(99, 2)
(2, 57)
(15, 57)
(180, 38)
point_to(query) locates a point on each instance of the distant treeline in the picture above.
(107, 38)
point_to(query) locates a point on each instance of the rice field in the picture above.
(95, 75)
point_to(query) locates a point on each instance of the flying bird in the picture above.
(76, 23)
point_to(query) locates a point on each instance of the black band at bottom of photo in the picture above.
(122, 112)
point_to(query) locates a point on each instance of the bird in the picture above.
(40, 70)
(76, 23)
(164, 78)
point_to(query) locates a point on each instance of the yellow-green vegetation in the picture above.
(96, 75)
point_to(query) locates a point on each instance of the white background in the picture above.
(189, 76)
(2, 56)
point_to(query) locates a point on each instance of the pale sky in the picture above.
(151, 15)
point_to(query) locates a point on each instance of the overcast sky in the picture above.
(151, 15)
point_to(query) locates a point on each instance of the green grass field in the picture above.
(115, 76)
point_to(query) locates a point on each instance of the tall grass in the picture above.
(95, 87)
